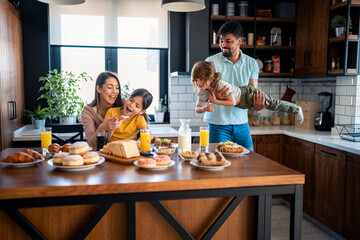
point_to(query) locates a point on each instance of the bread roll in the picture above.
(54, 148)
(66, 147)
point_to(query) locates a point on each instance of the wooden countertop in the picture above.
(43, 180)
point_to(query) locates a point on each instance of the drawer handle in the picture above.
(348, 159)
(329, 153)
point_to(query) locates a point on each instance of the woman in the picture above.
(107, 95)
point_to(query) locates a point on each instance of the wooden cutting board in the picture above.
(109, 157)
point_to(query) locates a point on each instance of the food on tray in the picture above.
(211, 159)
(91, 157)
(54, 148)
(122, 148)
(230, 147)
(58, 158)
(19, 157)
(147, 162)
(73, 160)
(162, 142)
(79, 148)
(190, 154)
(33, 153)
(66, 147)
(166, 151)
(162, 160)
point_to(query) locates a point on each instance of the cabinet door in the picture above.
(329, 182)
(269, 146)
(302, 37)
(352, 197)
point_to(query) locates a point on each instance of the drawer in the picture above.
(299, 143)
(329, 152)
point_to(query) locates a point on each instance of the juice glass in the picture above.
(204, 138)
(145, 139)
(46, 138)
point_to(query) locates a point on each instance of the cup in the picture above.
(204, 138)
(145, 139)
(46, 138)
(250, 38)
(101, 140)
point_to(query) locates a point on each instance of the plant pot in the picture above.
(68, 120)
(39, 124)
(159, 117)
(339, 31)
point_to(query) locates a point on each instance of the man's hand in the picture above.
(223, 93)
(259, 101)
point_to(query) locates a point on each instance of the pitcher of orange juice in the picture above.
(145, 140)
(204, 138)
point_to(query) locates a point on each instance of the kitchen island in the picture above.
(114, 201)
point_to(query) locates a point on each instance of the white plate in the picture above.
(210, 168)
(76, 168)
(155, 168)
(26, 164)
(246, 151)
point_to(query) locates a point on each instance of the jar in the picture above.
(230, 8)
(285, 119)
(254, 118)
(243, 8)
(184, 138)
(268, 66)
(292, 118)
(215, 9)
(275, 119)
(266, 121)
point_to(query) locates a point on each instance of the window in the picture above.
(127, 37)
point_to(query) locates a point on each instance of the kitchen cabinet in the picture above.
(11, 73)
(352, 196)
(311, 38)
(344, 50)
(260, 27)
(299, 155)
(269, 146)
(329, 184)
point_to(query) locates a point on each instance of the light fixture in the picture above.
(183, 5)
(62, 2)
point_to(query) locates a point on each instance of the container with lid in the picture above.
(254, 118)
(275, 118)
(243, 8)
(231, 9)
(285, 118)
(184, 138)
(266, 121)
(268, 66)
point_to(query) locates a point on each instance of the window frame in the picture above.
(111, 56)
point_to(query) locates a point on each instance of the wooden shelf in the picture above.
(242, 46)
(336, 71)
(338, 5)
(241, 18)
(271, 19)
(275, 47)
(284, 74)
(219, 17)
(337, 39)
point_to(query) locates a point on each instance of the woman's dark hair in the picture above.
(147, 99)
(100, 81)
(231, 27)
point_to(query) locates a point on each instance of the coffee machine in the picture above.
(323, 120)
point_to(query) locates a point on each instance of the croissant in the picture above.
(54, 148)
(33, 153)
(20, 157)
(65, 147)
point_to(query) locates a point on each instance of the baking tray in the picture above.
(350, 132)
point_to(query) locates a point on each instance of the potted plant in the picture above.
(338, 23)
(60, 91)
(38, 116)
(160, 112)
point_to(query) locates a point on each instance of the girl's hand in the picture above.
(112, 123)
(209, 106)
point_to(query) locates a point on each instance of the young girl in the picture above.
(205, 78)
(132, 115)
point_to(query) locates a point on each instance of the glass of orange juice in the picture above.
(46, 138)
(145, 139)
(204, 138)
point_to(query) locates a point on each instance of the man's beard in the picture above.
(229, 54)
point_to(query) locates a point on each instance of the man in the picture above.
(237, 68)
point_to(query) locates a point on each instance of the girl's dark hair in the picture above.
(231, 27)
(204, 70)
(100, 81)
(146, 99)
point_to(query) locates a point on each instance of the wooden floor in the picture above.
(280, 225)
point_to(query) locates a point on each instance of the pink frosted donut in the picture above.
(146, 162)
(162, 160)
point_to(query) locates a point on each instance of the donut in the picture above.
(58, 158)
(79, 148)
(91, 157)
(73, 160)
(54, 148)
(162, 160)
(146, 162)
(65, 147)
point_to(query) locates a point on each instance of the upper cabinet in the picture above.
(311, 38)
(343, 37)
(268, 27)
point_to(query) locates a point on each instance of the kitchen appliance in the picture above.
(323, 119)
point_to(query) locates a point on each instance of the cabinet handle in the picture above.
(348, 159)
(12, 110)
(309, 56)
(329, 153)
(305, 57)
(260, 139)
(299, 144)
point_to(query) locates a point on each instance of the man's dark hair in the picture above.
(233, 27)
